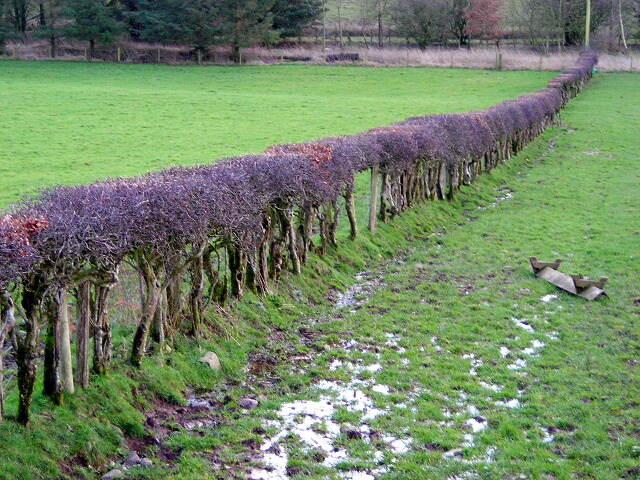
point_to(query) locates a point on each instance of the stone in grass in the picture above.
(145, 462)
(132, 459)
(212, 360)
(248, 403)
(115, 473)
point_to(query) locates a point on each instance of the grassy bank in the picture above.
(76, 122)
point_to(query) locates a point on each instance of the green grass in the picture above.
(66, 122)
(575, 196)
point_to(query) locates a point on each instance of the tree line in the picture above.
(199, 23)
(243, 23)
(196, 236)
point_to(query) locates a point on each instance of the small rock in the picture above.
(132, 459)
(212, 360)
(248, 403)
(115, 473)
(456, 452)
(145, 462)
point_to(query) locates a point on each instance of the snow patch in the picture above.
(513, 403)
(491, 386)
(519, 364)
(523, 324)
(477, 424)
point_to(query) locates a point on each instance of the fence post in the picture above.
(15, 56)
(119, 54)
(498, 61)
(86, 57)
(158, 55)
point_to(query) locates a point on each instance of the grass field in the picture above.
(443, 357)
(76, 122)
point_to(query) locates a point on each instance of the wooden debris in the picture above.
(536, 265)
(581, 282)
(574, 284)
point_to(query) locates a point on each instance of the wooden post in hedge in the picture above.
(373, 201)
(66, 367)
(83, 322)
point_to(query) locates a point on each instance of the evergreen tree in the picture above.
(93, 21)
(243, 23)
(50, 23)
(170, 21)
(290, 17)
(7, 24)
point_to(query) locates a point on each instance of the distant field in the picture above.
(68, 122)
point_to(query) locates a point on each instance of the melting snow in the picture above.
(398, 445)
(335, 365)
(513, 403)
(491, 386)
(504, 351)
(518, 364)
(548, 298)
(357, 476)
(349, 343)
(477, 424)
(384, 389)
(523, 324)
